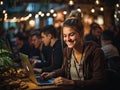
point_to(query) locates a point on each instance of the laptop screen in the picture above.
(29, 69)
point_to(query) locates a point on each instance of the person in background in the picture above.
(95, 33)
(49, 38)
(116, 31)
(107, 44)
(83, 66)
(58, 22)
(22, 44)
(40, 54)
(3, 34)
(11, 34)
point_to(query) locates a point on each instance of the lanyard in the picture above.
(78, 71)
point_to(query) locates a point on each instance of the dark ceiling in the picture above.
(20, 5)
(66, 1)
(61, 1)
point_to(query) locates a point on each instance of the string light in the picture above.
(40, 13)
(1, 2)
(101, 9)
(97, 2)
(48, 14)
(36, 16)
(93, 10)
(79, 9)
(117, 5)
(64, 12)
(30, 15)
(4, 11)
(54, 15)
(71, 2)
(32, 23)
(52, 11)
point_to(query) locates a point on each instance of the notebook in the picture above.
(35, 79)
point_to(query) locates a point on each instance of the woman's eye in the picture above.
(72, 34)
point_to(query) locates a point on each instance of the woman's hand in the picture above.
(63, 81)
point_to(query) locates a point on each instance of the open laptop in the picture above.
(27, 66)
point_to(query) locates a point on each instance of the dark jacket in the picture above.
(93, 67)
(56, 57)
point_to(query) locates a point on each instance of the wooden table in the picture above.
(33, 86)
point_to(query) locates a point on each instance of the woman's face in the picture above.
(71, 36)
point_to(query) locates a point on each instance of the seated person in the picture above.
(49, 38)
(95, 33)
(107, 44)
(22, 44)
(40, 53)
(83, 67)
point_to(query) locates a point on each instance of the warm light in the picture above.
(22, 18)
(79, 9)
(1, 3)
(5, 18)
(39, 12)
(64, 12)
(36, 16)
(14, 18)
(86, 18)
(97, 2)
(92, 10)
(115, 16)
(32, 23)
(30, 15)
(71, 2)
(101, 9)
(42, 15)
(4, 11)
(48, 14)
(5, 14)
(117, 5)
(54, 15)
(52, 11)
(100, 20)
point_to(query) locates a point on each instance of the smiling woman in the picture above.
(83, 66)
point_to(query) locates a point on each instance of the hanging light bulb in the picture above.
(93, 10)
(48, 14)
(97, 2)
(4, 11)
(64, 12)
(101, 9)
(117, 5)
(78, 9)
(1, 2)
(71, 2)
(36, 16)
(52, 11)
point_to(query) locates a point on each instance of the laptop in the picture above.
(28, 68)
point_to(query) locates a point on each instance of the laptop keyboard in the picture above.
(41, 81)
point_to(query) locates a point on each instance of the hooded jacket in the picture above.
(93, 67)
